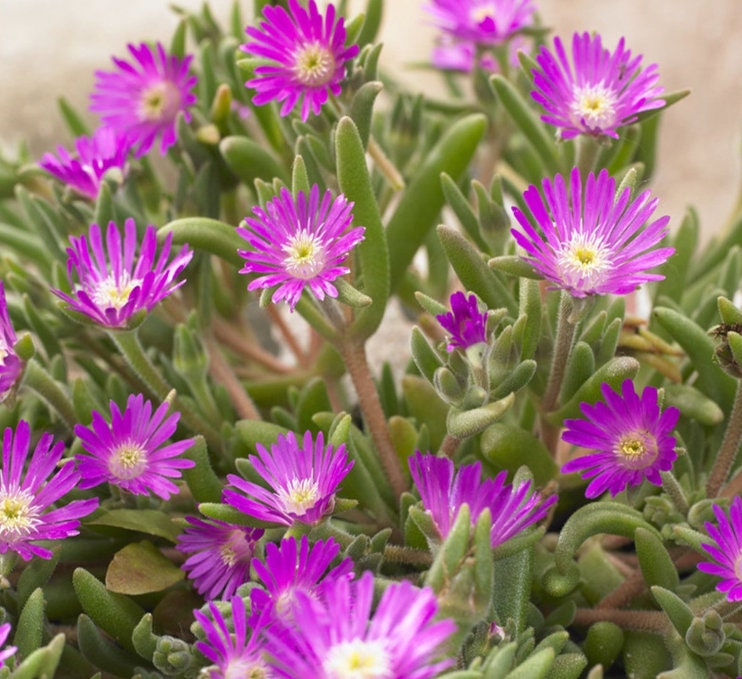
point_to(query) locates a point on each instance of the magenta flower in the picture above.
(443, 490)
(598, 92)
(297, 244)
(287, 570)
(235, 648)
(337, 636)
(8, 650)
(485, 22)
(28, 488)
(220, 555)
(129, 452)
(11, 366)
(726, 554)
(307, 56)
(630, 435)
(96, 155)
(303, 481)
(142, 98)
(591, 243)
(113, 282)
(466, 324)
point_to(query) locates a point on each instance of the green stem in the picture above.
(671, 486)
(408, 555)
(36, 378)
(562, 345)
(645, 621)
(729, 447)
(588, 149)
(131, 349)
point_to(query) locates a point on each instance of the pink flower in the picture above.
(299, 243)
(303, 479)
(142, 98)
(112, 282)
(598, 92)
(130, 452)
(589, 240)
(105, 150)
(307, 56)
(30, 494)
(630, 436)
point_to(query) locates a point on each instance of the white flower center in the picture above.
(637, 449)
(584, 261)
(305, 255)
(240, 668)
(314, 64)
(4, 349)
(113, 294)
(298, 496)
(738, 566)
(358, 659)
(159, 102)
(18, 515)
(595, 106)
(127, 461)
(480, 14)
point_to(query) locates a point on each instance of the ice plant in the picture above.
(8, 650)
(29, 488)
(726, 554)
(236, 652)
(142, 97)
(337, 635)
(293, 567)
(130, 451)
(303, 478)
(105, 150)
(299, 243)
(10, 365)
(306, 56)
(631, 438)
(465, 323)
(484, 22)
(598, 91)
(111, 281)
(443, 490)
(220, 555)
(591, 240)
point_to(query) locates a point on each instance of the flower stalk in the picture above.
(131, 349)
(729, 447)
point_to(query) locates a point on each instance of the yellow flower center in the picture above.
(305, 256)
(584, 261)
(228, 555)
(127, 461)
(637, 449)
(358, 659)
(235, 549)
(314, 65)
(299, 496)
(159, 102)
(18, 516)
(113, 294)
(595, 105)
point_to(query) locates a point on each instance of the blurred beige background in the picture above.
(51, 47)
